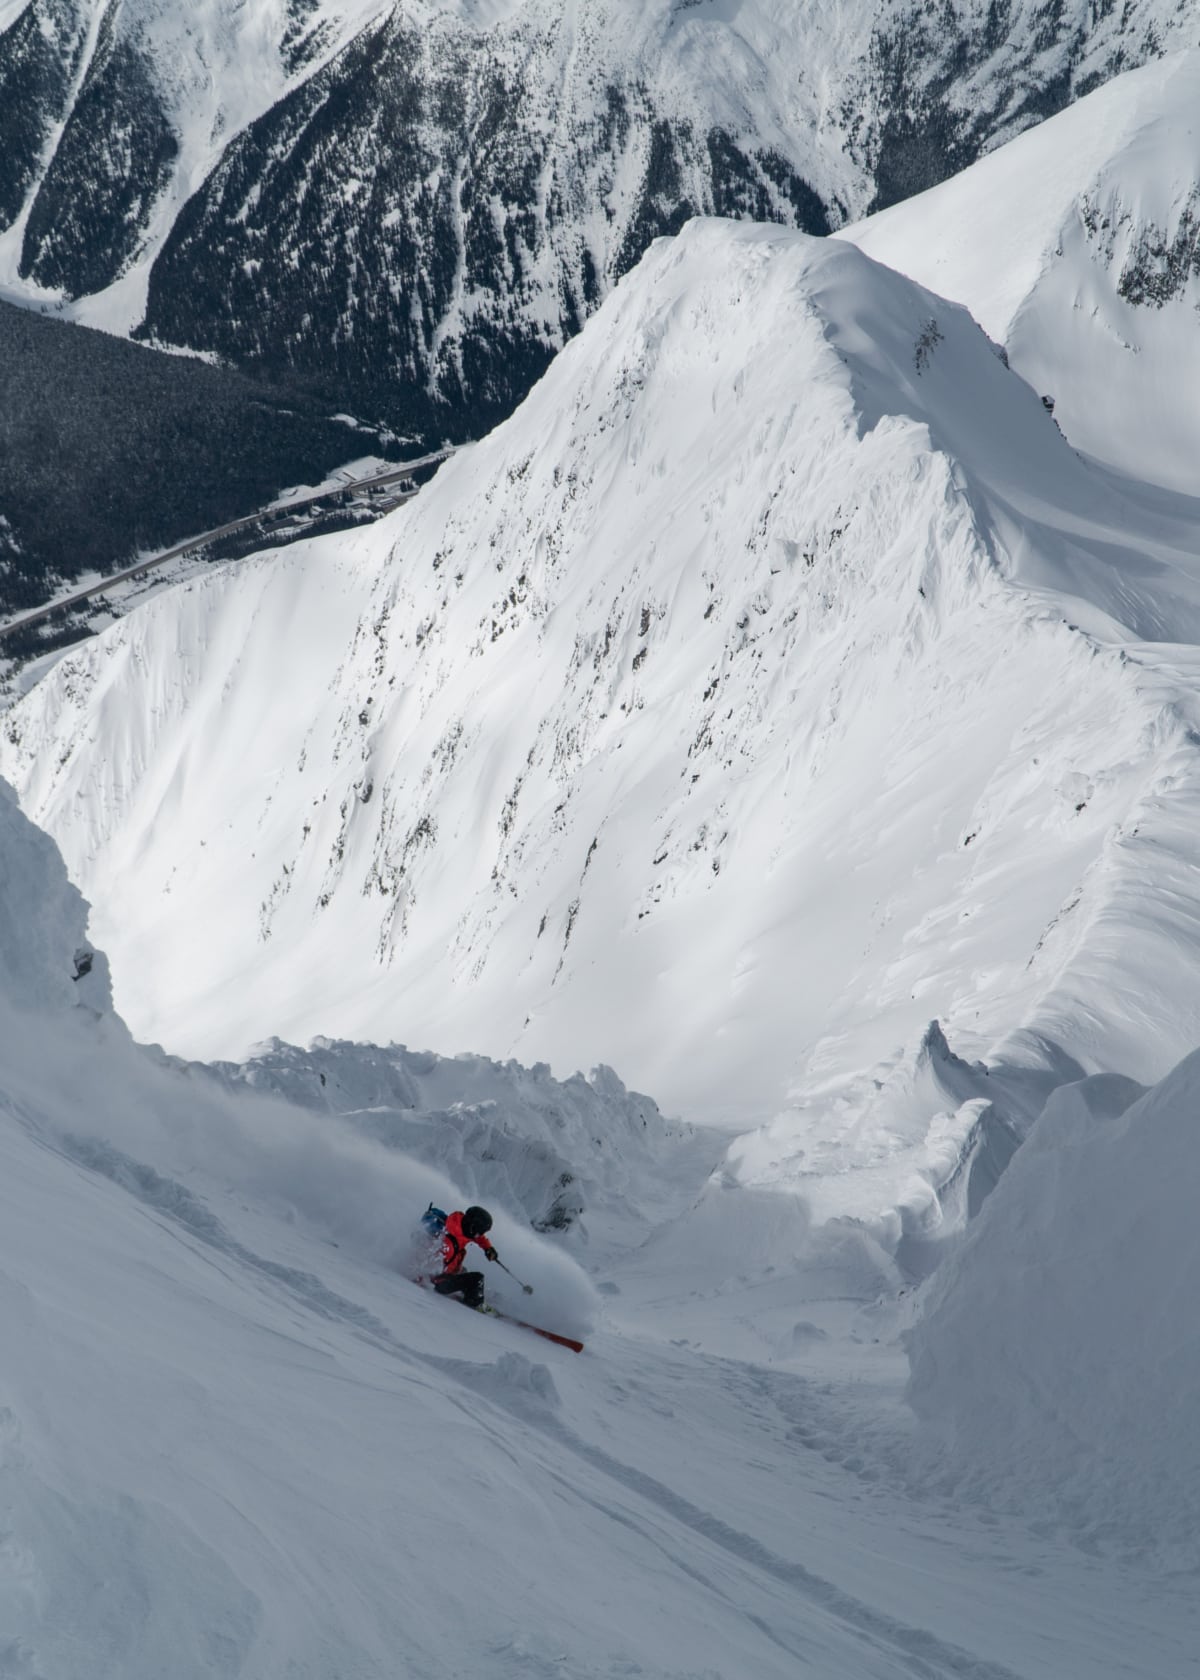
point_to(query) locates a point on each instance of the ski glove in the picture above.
(491, 1254)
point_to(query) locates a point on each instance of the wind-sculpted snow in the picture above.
(1056, 1363)
(547, 1151)
(776, 681)
(1076, 247)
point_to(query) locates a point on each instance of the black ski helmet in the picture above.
(476, 1222)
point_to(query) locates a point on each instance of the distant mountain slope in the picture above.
(775, 680)
(109, 448)
(411, 207)
(113, 110)
(1077, 247)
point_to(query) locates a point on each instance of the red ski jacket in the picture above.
(454, 1243)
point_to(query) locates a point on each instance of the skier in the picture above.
(459, 1230)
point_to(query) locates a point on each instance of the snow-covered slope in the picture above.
(777, 679)
(1057, 1359)
(73, 1076)
(414, 205)
(235, 1445)
(1076, 247)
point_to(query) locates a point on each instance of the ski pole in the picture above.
(527, 1287)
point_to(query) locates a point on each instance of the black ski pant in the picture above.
(467, 1284)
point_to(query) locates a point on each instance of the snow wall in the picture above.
(1057, 1363)
(47, 961)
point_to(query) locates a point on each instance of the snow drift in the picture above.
(1057, 1362)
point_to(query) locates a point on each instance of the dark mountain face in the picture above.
(107, 448)
(428, 219)
(39, 56)
(111, 164)
(413, 223)
(421, 209)
(946, 84)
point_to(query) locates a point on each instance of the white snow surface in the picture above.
(235, 1442)
(775, 680)
(1075, 246)
(1058, 1357)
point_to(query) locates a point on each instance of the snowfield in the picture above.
(779, 711)
(235, 1441)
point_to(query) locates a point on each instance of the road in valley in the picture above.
(263, 516)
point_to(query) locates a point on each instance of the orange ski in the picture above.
(550, 1335)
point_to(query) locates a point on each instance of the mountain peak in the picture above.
(673, 726)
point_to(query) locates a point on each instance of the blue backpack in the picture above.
(433, 1220)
